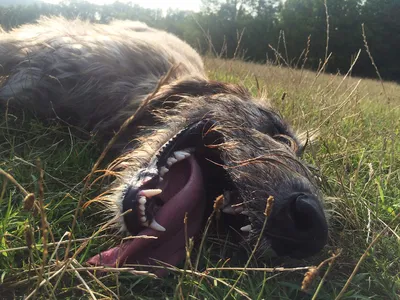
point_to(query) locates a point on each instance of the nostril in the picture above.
(305, 213)
(299, 228)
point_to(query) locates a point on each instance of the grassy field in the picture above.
(356, 148)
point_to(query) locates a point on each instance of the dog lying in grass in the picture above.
(194, 140)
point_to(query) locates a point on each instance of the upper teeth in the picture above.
(142, 200)
(180, 155)
(143, 194)
(177, 156)
(171, 161)
(163, 171)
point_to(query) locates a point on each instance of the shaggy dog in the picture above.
(195, 140)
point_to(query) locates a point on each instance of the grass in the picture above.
(357, 151)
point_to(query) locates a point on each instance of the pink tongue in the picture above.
(169, 247)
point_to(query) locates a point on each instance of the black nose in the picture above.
(297, 227)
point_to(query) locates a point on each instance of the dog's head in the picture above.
(213, 139)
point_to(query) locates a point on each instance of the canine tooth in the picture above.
(154, 225)
(143, 219)
(150, 193)
(142, 207)
(171, 161)
(163, 171)
(245, 213)
(246, 228)
(229, 210)
(142, 200)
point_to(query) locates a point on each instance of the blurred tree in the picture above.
(301, 18)
(382, 26)
(222, 24)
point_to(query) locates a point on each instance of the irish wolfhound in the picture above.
(197, 139)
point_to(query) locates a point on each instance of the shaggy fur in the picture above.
(117, 64)
(96, 76)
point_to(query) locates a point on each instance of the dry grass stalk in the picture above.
(269, 202)
(312, 272)
(269, 206)
(12, 179)
(281, 57)
(61, 242)
(373, 62)
(327, 33)
(29, 201)
(43, 219)
(239, 37)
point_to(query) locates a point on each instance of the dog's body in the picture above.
(201, 138)
(81, 62)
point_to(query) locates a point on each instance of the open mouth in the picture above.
(161, 216)
(170, 190)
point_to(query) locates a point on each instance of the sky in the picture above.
(163, 4)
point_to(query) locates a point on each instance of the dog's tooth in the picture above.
(171, 161)
(142, 207)
(143, 219)
(229, 210)
(142, 200)
(245, 213)
(181, 155)
(163, 171)
(150, 192)
(154, 225)
(246, 228)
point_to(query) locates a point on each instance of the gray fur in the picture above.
(117, 65)
(95, 76)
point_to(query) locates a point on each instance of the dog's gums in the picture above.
(196, 139)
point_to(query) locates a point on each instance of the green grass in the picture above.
(357, 151)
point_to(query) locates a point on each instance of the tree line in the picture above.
(312, 33)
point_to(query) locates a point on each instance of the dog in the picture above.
(196, 139)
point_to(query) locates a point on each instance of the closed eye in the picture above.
(287, 140)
